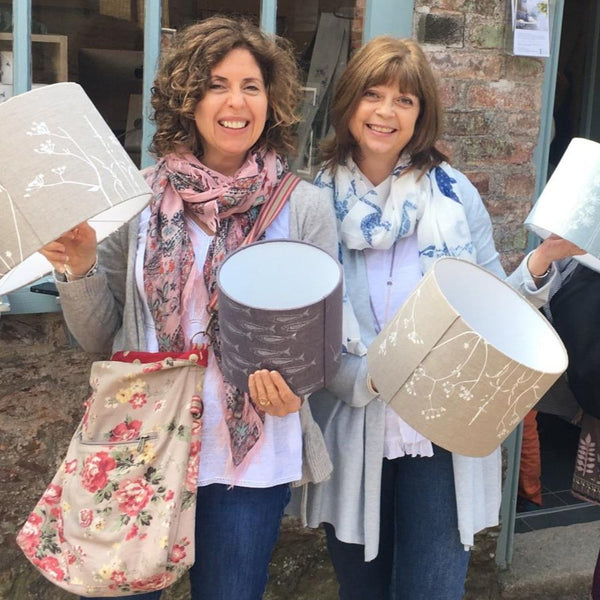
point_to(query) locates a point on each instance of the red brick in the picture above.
(449, 92)
(524, 124)
(506, 95)
(489, 150)
(520, 185)
(480, 180)
(468, 123)
(523, 68)
(486, 33)
(509, 211)
(466, 65)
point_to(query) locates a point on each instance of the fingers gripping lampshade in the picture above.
(569, 205)
(60, 165)
(465, 358)
(280, 308)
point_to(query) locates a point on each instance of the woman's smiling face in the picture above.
(382, 125)
(231, 117)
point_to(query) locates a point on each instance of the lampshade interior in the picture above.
(279, 275)
(501, 316)
(105, 223)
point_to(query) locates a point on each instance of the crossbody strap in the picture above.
(268, 213)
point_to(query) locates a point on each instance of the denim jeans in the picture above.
(420, 553)
(236, 531)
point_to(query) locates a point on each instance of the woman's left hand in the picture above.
(270, 392)
(551, 249)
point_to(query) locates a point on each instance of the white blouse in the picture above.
(277, 457)
(393, 274)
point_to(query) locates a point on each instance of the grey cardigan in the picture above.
(353, 419)
(104, 312)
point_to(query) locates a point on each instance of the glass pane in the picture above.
(322, 34)
(6, 54)
(177, 13)
(98, 44)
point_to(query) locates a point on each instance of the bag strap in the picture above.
(268, 213)
(272, 207)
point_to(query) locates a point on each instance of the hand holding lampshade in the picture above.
(69, 169)
(551, 249)
(270, 393)
(73, 252)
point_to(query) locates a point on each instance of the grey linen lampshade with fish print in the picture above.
(569, 205)
(280, 308)
(465, 358)
(61, 165)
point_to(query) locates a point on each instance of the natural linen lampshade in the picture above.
(280, 308)
(465, 358)
(60, 165)
(569, 206)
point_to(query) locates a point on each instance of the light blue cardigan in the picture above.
(353, 419)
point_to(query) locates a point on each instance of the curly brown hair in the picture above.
(184, 75)
(386, 60)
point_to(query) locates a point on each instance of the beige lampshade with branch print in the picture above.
(465, 358)
(60, 165)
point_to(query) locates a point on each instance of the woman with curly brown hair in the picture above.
(224, 105)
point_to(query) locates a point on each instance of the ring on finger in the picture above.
(263, 402)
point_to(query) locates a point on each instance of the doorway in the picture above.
(576, 114)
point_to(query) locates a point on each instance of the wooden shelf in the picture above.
(49, 56)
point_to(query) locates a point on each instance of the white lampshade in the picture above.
(60, 165)
(465, 358)
(569, 206)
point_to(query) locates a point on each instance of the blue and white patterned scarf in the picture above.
(429, 204)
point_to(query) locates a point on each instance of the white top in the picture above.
(400, 266)
(277, 458)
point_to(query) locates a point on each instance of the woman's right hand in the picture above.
(73, 252)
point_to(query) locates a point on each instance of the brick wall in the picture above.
(492, 101)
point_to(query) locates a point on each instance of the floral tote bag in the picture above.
(118, 517)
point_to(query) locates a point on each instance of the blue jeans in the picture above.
(236, 531)
(420, 553)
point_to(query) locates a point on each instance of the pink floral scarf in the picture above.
(229, 206)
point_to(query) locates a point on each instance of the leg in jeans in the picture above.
(430, 561)
(236, 531)
(360, 580)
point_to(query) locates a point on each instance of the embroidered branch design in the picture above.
(8, 260)
(473, 378)
(110, 171)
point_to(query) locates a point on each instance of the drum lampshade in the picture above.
(569, 205)
(280, 308)
(465, 358)
(60, 165)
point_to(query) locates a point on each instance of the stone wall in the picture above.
(492, 102)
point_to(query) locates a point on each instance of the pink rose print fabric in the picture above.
(118, 517)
